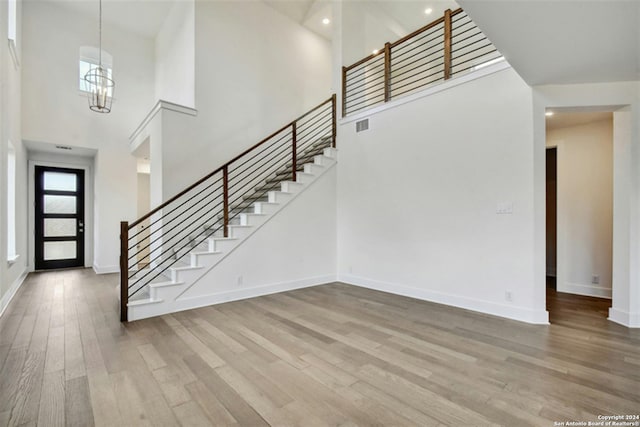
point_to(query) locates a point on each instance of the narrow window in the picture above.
(13, 19)
(90, 58)
(11, 204)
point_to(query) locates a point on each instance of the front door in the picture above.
(59, 217)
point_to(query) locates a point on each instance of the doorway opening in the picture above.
(579, 214)
(551, 165)
(59, 217)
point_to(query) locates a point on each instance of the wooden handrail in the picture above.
(363, 60)
(378, 82)
(418, 31)
(221, 168)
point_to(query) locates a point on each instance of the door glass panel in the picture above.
(59, 181)
(59, 227)
(59, 250)
(59, 204)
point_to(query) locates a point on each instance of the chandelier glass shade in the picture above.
(99, 82)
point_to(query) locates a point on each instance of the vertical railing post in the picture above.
(124, 270)
(447, 44)
(225, 198)
(387, 72)
(333, 120)
(344, 91)
(294, 148)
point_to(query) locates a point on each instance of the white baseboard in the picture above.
(624, 318)
(13, 289)
(181, 304)
(107, 269)
(586, 290)
(521, 314)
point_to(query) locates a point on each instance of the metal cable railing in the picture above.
(449, 46)
(156, 242)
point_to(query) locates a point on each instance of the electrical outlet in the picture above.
(239, 280)
(504, 208)
(595, 279)
(508, 296)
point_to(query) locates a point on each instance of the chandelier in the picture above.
(99, 83)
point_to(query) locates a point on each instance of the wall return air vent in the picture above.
(362, 125)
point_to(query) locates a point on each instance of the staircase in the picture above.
(168, 250)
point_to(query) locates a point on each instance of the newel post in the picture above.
(294, 148)
(225, 197)
(124, 270)
(387, 72)
(447, 44)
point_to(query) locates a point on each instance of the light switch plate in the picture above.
(504, 208)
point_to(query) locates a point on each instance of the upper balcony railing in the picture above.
(448, 47)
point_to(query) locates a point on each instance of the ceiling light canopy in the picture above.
(100, 85)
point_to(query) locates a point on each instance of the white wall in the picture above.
(175, 56)
(55, 112)
(368, 25)
(295, 248)
(418, 193)
(585, 207)
(11, 275)
(624, 99)
(256, 70)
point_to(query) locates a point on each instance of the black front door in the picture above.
(59, 217)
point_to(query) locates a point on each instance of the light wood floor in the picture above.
(329, 355)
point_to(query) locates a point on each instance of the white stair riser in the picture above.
(279, 197)
(305, 178)
(240, 232)
(266, 208)
(312, 168)
(291, 187)
(199, 258)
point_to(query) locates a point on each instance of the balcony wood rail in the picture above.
(449, 46)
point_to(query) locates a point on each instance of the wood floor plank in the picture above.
(52, 406)
(210, 405)
(78, 409)
(27, 400)
(237, 407)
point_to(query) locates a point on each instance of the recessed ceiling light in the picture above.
(375, 51)
(428, 11)
(326, 21)
(549, 113)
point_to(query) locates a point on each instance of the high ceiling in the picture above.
(563, 41)
(144, 17)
